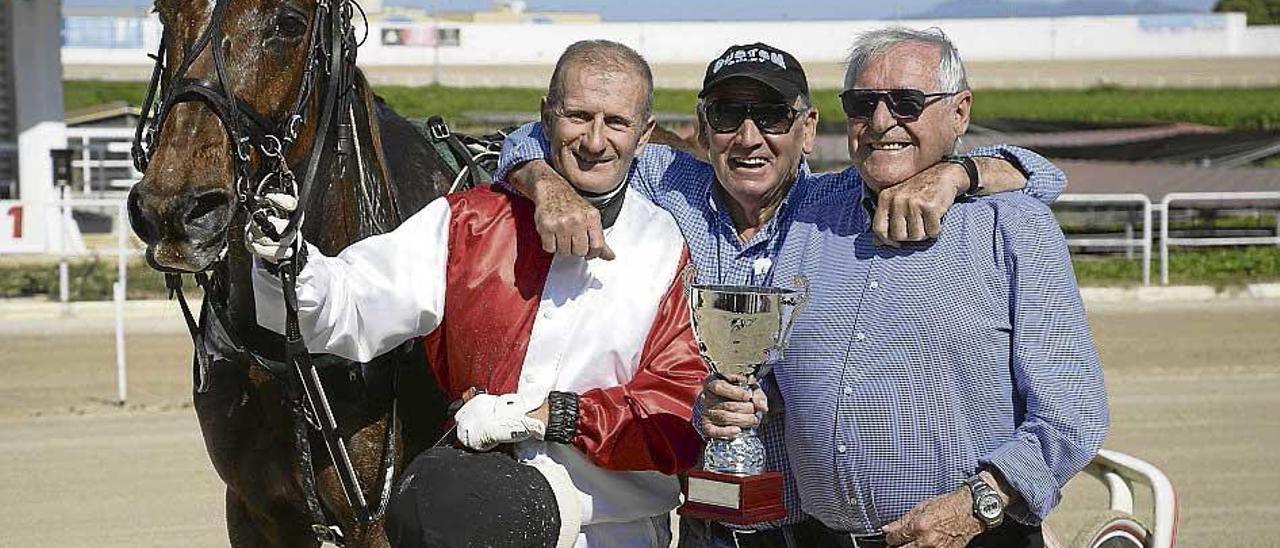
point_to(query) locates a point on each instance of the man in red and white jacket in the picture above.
(590, 368)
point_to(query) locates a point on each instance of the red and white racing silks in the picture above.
(497, 312)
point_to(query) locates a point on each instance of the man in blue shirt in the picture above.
(936, 394)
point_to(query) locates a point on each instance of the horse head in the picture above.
(238, 86)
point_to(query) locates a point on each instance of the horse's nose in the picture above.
(207, 214)
(143, 221)
(199, 217)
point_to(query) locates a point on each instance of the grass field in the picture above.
(1242, 109)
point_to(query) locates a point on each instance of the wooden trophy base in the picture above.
(730, 498)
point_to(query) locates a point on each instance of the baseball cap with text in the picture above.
(760, 62)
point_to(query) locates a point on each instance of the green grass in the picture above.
(78, 94)
(1242, 109)
(1218, 267)
(90, 280)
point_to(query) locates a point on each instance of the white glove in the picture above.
(487, 420)
(270, 247)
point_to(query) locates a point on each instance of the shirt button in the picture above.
(841, 448)
(546, 314)
(860, 336)
(874, 284)
(848, 390)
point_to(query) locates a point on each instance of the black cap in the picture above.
(450, 497)
(763, 63)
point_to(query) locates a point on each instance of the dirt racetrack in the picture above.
(1194, 388)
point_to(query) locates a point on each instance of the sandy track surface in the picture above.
(1195, 389)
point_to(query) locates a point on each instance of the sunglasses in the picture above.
(904, 104)
(770, 118)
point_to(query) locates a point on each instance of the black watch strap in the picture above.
(562, 417)
(971, 168)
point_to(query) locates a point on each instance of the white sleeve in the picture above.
(376, 294)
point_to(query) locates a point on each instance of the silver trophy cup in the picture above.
(741, 330)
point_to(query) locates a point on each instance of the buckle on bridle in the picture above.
(438, 129)
(271, 146)
(243, 148)
(328, 534)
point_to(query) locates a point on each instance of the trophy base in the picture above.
(730, 498)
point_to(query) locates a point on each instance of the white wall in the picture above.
(1261, 41)
(1121, 37)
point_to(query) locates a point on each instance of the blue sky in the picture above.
(703, 9)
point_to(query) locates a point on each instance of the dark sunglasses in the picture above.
(904, 104)
(771, 118)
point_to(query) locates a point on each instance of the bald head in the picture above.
(601, 55)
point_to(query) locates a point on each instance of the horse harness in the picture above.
(333, 51)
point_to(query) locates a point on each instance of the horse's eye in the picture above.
(290, 25)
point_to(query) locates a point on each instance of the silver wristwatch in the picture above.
(987, 505)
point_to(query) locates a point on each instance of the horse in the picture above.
(256, 94)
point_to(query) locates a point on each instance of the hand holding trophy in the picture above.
(741, 332)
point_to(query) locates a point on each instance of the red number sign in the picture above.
(16, 213)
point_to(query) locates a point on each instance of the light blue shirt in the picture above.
(911, 367)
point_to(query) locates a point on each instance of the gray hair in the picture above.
(601, 54)
(874, 43)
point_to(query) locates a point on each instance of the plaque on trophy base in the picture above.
(733, 498)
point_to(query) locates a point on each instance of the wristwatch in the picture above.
(970, 168)
(987, 505)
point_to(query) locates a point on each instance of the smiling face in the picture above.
(887, 150)
(599, 125)
(755, 168)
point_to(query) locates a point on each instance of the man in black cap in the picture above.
(757, 123)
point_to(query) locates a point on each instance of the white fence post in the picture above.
(120, 294)
(1125, 242)
(64, 276)
(1164, 241)
(1146, 242)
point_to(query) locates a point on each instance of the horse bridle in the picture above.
(332, 49)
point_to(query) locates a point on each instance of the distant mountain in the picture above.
(1004, 8)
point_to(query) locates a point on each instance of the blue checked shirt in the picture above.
(682, 185)
(910, 368)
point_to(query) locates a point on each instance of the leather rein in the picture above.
(332, 55)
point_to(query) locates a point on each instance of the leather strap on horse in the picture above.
(200, 363)
(452, 151)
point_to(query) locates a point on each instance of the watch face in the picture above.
(989, 506)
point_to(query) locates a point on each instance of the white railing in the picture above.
(1166, 241)
(112, 147)
(1127, 242)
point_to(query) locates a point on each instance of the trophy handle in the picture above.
(798, 303)
(687, 276)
